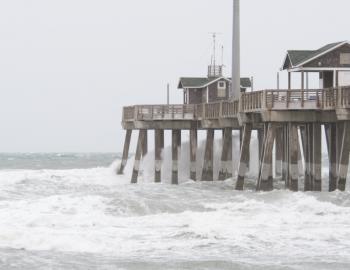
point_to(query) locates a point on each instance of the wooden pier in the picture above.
(288, 121)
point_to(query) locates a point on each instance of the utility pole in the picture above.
(236, 85)
(168, 93)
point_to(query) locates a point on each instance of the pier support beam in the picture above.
(317, 158)
(244, 156)
(193, 154)
(125, 152)
(265, 181)
(158, 143)
(176, 135)
(294, 150)
(140, 146)
(331, 135)
(344, 157)
(226, 155)
(207, 173)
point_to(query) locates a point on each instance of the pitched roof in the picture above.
(192, 82)
(300, 57)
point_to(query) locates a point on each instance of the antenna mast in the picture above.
(213, 69)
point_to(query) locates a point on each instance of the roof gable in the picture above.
(298, 58)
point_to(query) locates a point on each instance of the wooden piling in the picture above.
(265, 181)
(226, 155)
(175, 156)
(317, 158)
(207, 173)
(244, 156)
(158, 143)
(138, 154)
(125, 152)
(344, 156)
(293, 157)
(193, 154)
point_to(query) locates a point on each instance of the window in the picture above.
(221, 92)
(221, 85)
(345, 58)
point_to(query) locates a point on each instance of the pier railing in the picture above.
(316, 99)
(207, 111)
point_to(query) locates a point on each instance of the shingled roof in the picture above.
(297, 58)
(191, 82)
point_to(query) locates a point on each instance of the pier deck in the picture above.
(281, 118)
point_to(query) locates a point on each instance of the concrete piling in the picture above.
(140, 146)
(317, 158)
(207, 172)
(226, 155)
(265, 181)
(125, 156)
(279, 152)
(293, 157)
(176, 137)
(158, 143)
(244, 156)
(193, 154)
(331, 136)
(344, 156)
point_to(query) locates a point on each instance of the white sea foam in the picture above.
(76, 218)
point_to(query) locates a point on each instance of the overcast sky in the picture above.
(68, 66)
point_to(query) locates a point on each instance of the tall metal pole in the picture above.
(236, 84)
(168, 94)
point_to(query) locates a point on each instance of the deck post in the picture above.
(317, 158)
(279, 152)
(138, 154)
(193, 154)
(244, 156)
(294, 150)
(226, 155)
(175, 156)
(344, 157)
(265, 181)
(331, 134)
(207, 173)
(125, 152)
(289, 80)
(158, 154)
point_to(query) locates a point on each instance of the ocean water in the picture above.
(70, 211)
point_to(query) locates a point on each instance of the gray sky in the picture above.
(68, 66)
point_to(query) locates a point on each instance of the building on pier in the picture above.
(331, 62)
(213, 88)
